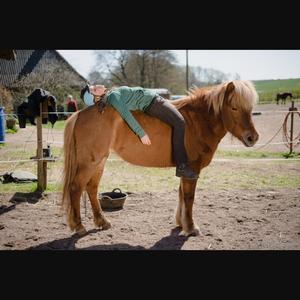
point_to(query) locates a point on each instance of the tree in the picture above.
(150, 69)
(5, 98)
(96, 77)
(146, 68)
(209, 76)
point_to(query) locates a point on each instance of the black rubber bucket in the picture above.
(112, 200)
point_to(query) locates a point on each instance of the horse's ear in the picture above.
(229, 89)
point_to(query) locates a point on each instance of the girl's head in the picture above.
(92, 93)
(98, 90)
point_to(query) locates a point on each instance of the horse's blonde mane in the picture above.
(243, 97)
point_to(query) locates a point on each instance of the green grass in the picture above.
(274, 85)
(250, 177)
(136, 179)
(59, 125)
(29, 187)
(267, 89)
(240, 173)
(254, 154)
(11, 131)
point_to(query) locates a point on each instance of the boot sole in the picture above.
(189, 178)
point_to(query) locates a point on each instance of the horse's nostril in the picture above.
(250, 139)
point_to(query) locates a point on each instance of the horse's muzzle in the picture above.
(250, 138)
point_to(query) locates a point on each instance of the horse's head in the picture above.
(236, 111)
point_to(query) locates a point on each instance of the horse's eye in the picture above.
(233, 108)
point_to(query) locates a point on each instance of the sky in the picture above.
(249, 64)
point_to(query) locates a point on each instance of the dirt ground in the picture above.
(231, 220)
(228, 218)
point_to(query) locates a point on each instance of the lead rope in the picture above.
(84, 199)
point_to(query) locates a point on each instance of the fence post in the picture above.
(2, 125)
(40, 165)
(292, 108)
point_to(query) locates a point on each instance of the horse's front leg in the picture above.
(184, 214)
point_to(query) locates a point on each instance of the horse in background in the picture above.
(282, 97)
(209, 114)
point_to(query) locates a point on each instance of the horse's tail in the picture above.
(70, 162)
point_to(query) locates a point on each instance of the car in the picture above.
(162, 92)
(176, 97)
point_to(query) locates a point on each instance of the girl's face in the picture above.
(98, 90)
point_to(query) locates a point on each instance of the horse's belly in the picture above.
(146, 158)
(130, 148)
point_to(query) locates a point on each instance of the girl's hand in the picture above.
(145, 140)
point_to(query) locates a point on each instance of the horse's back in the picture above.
(97, 134)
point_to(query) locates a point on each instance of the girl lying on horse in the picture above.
(125, 99)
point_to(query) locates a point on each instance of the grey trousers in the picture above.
(166, 112)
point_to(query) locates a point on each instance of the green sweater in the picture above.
(125, 99)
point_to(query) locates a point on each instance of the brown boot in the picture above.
(185, 171)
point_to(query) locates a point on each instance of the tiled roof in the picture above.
(26, 61)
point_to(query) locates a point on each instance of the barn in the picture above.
(29, 61)
(22, 70)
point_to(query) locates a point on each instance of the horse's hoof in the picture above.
(106, 225)
(102, 223)
(81, 231)
(194, 232)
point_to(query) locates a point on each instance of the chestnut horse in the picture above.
(209, 114)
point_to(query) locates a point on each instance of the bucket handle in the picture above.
(116, 190)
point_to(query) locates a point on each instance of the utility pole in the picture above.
(187, 69)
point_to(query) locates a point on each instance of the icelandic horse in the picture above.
(209, 114)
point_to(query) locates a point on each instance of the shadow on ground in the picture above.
(173, 241)
(18, 198)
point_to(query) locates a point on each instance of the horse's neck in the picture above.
(206, 122)
(215, 125)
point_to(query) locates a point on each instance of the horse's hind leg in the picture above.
(92, 190)
(77, 187)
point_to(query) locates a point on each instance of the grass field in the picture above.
(267, 89)
(239, 173)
